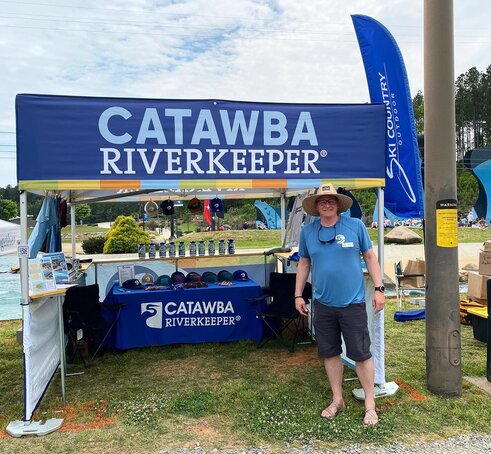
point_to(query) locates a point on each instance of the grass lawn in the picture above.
(265, 239)
(231, 395)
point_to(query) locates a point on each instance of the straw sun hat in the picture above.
(310, 206)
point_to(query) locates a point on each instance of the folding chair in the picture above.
(405, 283)
(281, 293)
(87, 329)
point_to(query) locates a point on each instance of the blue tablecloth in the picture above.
(211, 314)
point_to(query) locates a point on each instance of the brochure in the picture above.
(41, 275)
(59, 266)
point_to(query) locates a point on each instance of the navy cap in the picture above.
(167, 207)
(240, 275)
(132, 284)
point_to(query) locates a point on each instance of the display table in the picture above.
(210, 314)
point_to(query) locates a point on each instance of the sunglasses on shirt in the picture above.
(330, 241)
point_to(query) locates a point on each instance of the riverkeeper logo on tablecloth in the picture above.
(208, 142)
(155, 319)
(189, 313)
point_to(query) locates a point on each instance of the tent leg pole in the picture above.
(72, 224)
(283, 217)
(59, 302)
(380, 196)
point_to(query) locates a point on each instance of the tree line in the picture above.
(473, 130)
(472, 110)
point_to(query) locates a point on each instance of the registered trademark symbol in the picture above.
(323, 153)
(238, 318)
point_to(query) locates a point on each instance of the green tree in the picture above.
(82, 212)
(419, 112)
(124, 236)
(8, 209)
(237, 215)
(366, 198)
(467, 190)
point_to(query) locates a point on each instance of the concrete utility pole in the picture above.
(443, 350)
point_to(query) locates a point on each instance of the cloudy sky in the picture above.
(247, 50)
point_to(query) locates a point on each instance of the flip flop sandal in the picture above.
(369, 419)
(332, 410)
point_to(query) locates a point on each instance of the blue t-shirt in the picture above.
(336, 266)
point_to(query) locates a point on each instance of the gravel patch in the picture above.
(468, 444)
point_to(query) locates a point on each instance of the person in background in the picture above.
(330, 248)
(470, 218)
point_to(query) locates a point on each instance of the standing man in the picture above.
(331, 247)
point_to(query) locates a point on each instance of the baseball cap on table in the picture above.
(167, 207)
(193, 277)
(177, 277)
(132, 284)
(225, 275)
(240, 275)
(147, 278)
(310, 203)
(194, 205)
(209, 276)
(164, 279)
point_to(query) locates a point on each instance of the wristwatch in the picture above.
(380, 289)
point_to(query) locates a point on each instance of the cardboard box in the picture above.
(485, 263)
(416, 268)
(477, 284)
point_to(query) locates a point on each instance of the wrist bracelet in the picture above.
(300, 296)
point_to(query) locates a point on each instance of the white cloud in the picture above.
(263, 50)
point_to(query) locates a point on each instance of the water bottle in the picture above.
(231, 246)
(211, 247)
(151, 251)
(201, 248)
(182, 249)
(161, 250)
(172, 249)
(141, 251)
(221, 247)
(192, 248)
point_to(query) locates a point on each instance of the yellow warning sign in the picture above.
(446, 223)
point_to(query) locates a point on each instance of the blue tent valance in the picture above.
(111, 143)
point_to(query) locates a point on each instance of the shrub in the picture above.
(94, 245)
(124, 236)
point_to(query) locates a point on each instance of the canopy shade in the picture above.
(79, 143)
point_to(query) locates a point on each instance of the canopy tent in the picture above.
(9, 237)
(96, 149)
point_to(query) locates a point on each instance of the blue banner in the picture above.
(79, 138)
(387, 83)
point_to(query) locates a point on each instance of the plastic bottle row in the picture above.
(195, 248)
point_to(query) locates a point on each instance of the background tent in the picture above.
(478, 161)
(9, 237)
(267, 215)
